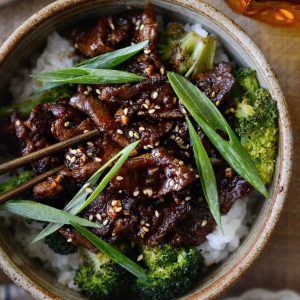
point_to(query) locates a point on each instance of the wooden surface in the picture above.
(279, 265)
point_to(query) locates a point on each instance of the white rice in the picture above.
(59, 53)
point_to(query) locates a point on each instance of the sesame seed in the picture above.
(118, 209)
(114, 202)
(86, 93)
(130, 133)
(142, 234)
(93, 47)
(98, 91)
(157, 154)
(157, 143)
(134, 20)
(125, 111)
(126, 212)
(72, 160)
(90, 154)
(142, 27)
(188, 198)
(130, 102)
(213, 94)
(140, 257)
(150, 146)
(86, 185)
(147, 101)
(98, 216)
(174, 100)
(89, 88)
(18, 123)
(217, 103)
(136, 135)
(186, 154)
(204, 222)
(176, 186)
(147, 51)
(76, 46)
(136, 193)
(86, 131)
(148, 192)
(140, 113)
(119, 178)
(197, 176)
(145, 106)
(142, 222)
(88, 190)
(146, 229)
(147, 224)
(67, 124)
(90, 144)
(151, 111)
(156, 214)
(91, 217)
(69, 240)
(112, 26)
(154, 95)
(171, 183)
(98, 159)
(119, 131)
(172, 137)
(181, 163)
(105, 222)
(141, 129)
(162, 71)
(157, 107)
(113, 234)
(219, 78)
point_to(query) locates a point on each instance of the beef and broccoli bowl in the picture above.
(183, 149)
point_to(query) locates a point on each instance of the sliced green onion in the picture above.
(206, 173)
(88, 76)
(40, 212)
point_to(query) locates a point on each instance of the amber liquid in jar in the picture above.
(275, 12)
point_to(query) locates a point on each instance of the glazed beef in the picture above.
(216, 84)
(156, 197)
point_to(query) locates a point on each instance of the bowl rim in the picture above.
(286, 145)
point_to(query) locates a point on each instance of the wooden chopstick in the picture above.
(26, 159)
(27, 185)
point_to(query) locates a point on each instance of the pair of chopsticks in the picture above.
(26, 159)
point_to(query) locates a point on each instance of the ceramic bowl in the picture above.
(28, 39)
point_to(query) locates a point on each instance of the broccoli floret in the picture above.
(257, 124)
(247, 82)
(172, 271)
(59, 244)
(187, 52)
(100, 278)
(15, 181)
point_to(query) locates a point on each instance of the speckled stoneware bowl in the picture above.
(28, 39)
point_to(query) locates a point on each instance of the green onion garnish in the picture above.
(206, 173)
(210, 119)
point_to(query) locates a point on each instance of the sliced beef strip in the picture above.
(56, 190)
(146, 27)
(84, 161)
(216, 84)
(104, 36)
(30, 141)
(152, 175)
